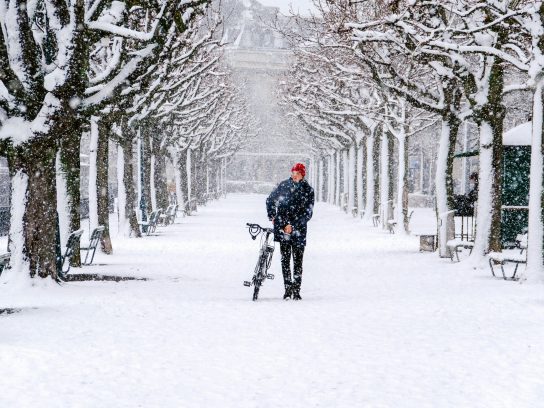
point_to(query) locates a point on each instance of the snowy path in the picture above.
(380, 325)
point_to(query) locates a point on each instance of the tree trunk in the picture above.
(63, 205)
(401, 205)
(320, 180)
(331, 178)
(128, 180)
(359, 171)
(391, 176)
(405, 189)
(189, 175)
(490, 120)
(161, 183)
(338, 186)
(444, 178)
(370, 192)
(535, 268)
(93, 164)
(346, 177)
(146, 166)
(124, 227)
(376, 165)
(33, 241)
(181, 178)
(152, 187)
(70, 164)
(199, 176)
(352, 178)
(102, 186)
(384, 178)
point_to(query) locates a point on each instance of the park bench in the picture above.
(4, 261)
(96, 236)
(202, 200)
(169, 215)
(71, 246)
(516, 256)
(150, 226)
(189, 206)
(344, 202)
(376, 219)
(392, 224)
(144, 225)
(463, 239)
(207, 198)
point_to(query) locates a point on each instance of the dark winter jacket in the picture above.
(291, 204)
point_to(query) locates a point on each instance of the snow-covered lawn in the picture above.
(380, 325)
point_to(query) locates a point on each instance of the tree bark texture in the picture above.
(41, 245)
(376, 164)
(128, 179)
(161, 183)
(71, 164)
(102, 185)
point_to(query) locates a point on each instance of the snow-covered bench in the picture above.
(71, 246)
(344, 202)
(4, 261)
(169, 215)
(391, 224)
(455, 245)
(189, 206)
(354, 211)
(96, 236)
(463, 235)
(150, 225)
(376, 219)
(515, 256)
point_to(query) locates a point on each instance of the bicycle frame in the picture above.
(265, 257)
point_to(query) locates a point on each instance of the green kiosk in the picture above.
(515, 188)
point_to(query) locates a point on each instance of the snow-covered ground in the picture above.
(380, 325)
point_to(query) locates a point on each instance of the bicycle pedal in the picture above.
(270, 276)
(246, 283)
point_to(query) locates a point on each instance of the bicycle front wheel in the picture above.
(256, 289)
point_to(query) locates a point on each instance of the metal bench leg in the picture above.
(452, 252)
(515, 271)
(86, 256)
(491, 267)
(457, 253)
(92, 256)
(502, 270)
(64, 272)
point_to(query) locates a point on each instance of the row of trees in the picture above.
(146, 75)
(368, 75)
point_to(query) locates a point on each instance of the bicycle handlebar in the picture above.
(256, 229)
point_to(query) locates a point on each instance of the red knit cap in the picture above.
(301, 168)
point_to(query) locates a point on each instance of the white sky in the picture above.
(301, 5)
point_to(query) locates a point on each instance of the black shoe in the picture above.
(296, 295)
(288, 293)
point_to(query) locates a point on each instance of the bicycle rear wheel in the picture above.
(259, 275)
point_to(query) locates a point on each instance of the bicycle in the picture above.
(265, 257)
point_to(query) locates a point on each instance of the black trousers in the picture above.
(287, 249)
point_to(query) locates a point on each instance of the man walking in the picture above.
(290, 207)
